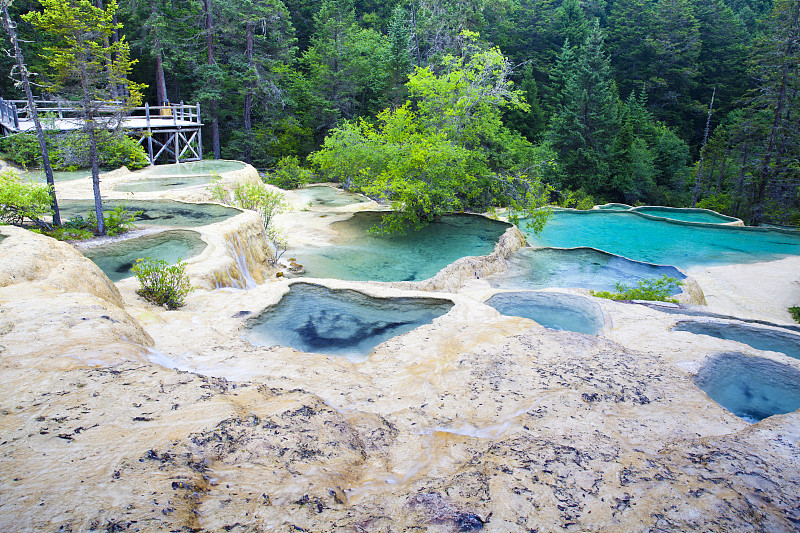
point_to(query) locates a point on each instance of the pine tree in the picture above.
(582, 131)
(83, 64)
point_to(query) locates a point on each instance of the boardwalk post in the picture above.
(199, 134)
(149, 134)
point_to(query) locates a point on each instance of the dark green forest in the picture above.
(467, 104)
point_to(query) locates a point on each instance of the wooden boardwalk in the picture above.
(172, 130)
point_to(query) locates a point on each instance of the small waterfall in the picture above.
(238, 254)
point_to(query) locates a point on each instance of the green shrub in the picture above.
(289, 175)
(161, 283)
(20, 200)
(576, 200)
(120, 150)
(795, 312)
(258, 198)
(69, 234)
(656, 289)
(22, 149)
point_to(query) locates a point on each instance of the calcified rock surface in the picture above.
(476, 421)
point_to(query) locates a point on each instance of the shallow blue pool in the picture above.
(313, 318)
(664, 242)
(116, 259)
(155, 212)
(360, 255)
(685, 214)
(759, 338)
(553, 310)
(752, 388)
(539, 268)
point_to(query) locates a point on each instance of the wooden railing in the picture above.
(12, 111)
(8, 113)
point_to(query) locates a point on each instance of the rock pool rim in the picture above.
(633, 211)
(304, 325)
(366, 291)
(592, 312)
(642, 210)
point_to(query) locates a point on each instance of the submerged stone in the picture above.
(752, 388)
(313, 318)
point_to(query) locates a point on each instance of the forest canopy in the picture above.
(448, 105)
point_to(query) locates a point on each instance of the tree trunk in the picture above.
(696, 191)
(98, 199)
(89, 127)
(161, 85)
(248, 98)
(48, 169)
(211, 62)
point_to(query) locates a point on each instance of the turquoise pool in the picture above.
(685, 214)
(664, 242)
(163, 184)
(343, 322)
(155, 212)
(116, 259)
(586, 268)
(759, 338)
(325, 196)
(193, 168)
(361, 256)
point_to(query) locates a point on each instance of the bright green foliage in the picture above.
(576, 200)
(795, 312)
(161, 283)
(447, 151)
(21, 200)
(118, 220)
(81, 56)
(657, 289)
(288, 174)
(22, 149)
(255, 197)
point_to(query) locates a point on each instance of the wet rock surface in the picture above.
(117, 416)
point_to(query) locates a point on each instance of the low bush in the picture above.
(655, 289)
(262, 200)
(22, 149)
(21, 200)
(70, 151)
(795, 312)
(161, 283)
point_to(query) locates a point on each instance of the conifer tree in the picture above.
(582, 130)
(85, 68)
